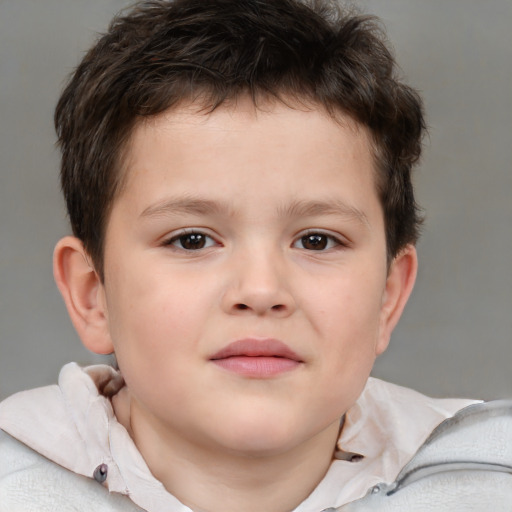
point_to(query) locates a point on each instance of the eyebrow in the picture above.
(185, 205)
(299, 208)
(328, 207)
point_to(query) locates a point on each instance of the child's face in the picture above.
(243, 234)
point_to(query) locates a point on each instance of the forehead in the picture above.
(252, 124)
(240, 144)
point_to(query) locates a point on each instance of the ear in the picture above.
(83, 293)
(399, 285)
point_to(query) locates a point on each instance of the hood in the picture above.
(73, 424)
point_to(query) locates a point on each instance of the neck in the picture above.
(211, 479)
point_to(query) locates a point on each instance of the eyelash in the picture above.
(172, 241)
(331, 242)
(326, 241)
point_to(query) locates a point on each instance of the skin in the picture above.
(254, 182)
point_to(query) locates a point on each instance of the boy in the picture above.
(237, 176)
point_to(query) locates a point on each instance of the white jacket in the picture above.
(59, 441)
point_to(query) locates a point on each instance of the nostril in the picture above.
(275, 308)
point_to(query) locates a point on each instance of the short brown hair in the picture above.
(162, 52)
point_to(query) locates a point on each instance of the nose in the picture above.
(259, 284)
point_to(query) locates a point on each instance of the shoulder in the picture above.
(402, 400)
(29, 482)
(388, 417)
(386, 426)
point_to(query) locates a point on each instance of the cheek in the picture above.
(155, 321)
(347, 306)
(156, 330)
(347, 317)
(150, 301)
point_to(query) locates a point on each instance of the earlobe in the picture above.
(399, 285)
(83, 294)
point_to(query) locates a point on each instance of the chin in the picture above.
(259, 447)
(260, 435)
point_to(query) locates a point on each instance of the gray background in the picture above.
(455, 338)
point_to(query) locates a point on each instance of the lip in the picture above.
(257, 357)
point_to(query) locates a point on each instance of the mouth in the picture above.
(257, 358)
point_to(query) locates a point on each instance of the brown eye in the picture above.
(191, 241)
(317, 242)
(314, 242)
